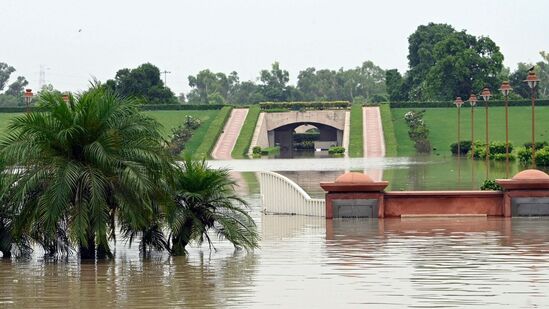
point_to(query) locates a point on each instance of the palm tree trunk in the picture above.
(6, 252)
(88, 252)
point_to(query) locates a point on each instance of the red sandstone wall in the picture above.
(443, 203)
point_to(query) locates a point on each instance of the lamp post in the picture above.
(28, 98)
(486, 94)
(473, 101)
(505, 89)
(458, 102)
(533, 81)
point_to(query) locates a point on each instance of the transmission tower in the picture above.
(42, 77)
(165, 73)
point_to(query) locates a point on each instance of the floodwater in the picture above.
(307, 262)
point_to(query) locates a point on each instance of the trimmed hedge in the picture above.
(213, 133)
(480, 103)
(296, 106)
(242, 145)
(144, 107)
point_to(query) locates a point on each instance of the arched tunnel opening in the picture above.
(305, 139)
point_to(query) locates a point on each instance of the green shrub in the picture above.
(256, 150)
(296, 106)
(270, 150)
(503, 157)
(539, 145)
(464, 147)
(305, 137)
(496, 148)
(525, 156)
(182, 134)
(450, 104)
(336, 150)
(211, 136)
(304, 145)
(490, 184)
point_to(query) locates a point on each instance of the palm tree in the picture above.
(205, 201)
(82, 165)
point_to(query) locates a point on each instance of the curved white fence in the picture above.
(280, 195)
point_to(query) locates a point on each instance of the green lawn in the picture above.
(388, 131)
(4, 120)
(356, 140)
(244, 140)
(442, 124)
(172, 119)
(203, 141)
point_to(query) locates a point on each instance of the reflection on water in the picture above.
(417, 173)
(311, 262)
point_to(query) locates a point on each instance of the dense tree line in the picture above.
(365, 83)
(442, 63)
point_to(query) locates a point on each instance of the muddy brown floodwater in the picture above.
(307, 262)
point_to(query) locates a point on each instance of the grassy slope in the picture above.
(202, 143)
(442, 124)
(244, 140)
(388, 131)
(171, 119)
(356, 140)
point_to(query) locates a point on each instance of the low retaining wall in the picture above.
(357, 195)
(489, 203)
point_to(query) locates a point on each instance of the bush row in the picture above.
(480, 103)
(305, 105)
(144, 107)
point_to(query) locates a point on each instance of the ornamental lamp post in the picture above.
(505, 89)
(532, 80)
(473, 102)
(458, 102)
(28, 98)
(486, 94)
(66, 97)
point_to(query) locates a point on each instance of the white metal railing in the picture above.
(280, 195)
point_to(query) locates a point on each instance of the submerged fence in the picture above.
(280, 195)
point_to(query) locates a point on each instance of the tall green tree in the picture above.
(274, 83)
(143, 83)
(5, 72)
(205, 200)
(82, 166)
(16, 88)
(445, 63)
(209, 87)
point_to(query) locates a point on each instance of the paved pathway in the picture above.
(374, 142)
(227, 139)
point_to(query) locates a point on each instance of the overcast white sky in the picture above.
(244, 35)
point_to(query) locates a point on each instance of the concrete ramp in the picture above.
(374, 141)
(231, 131)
